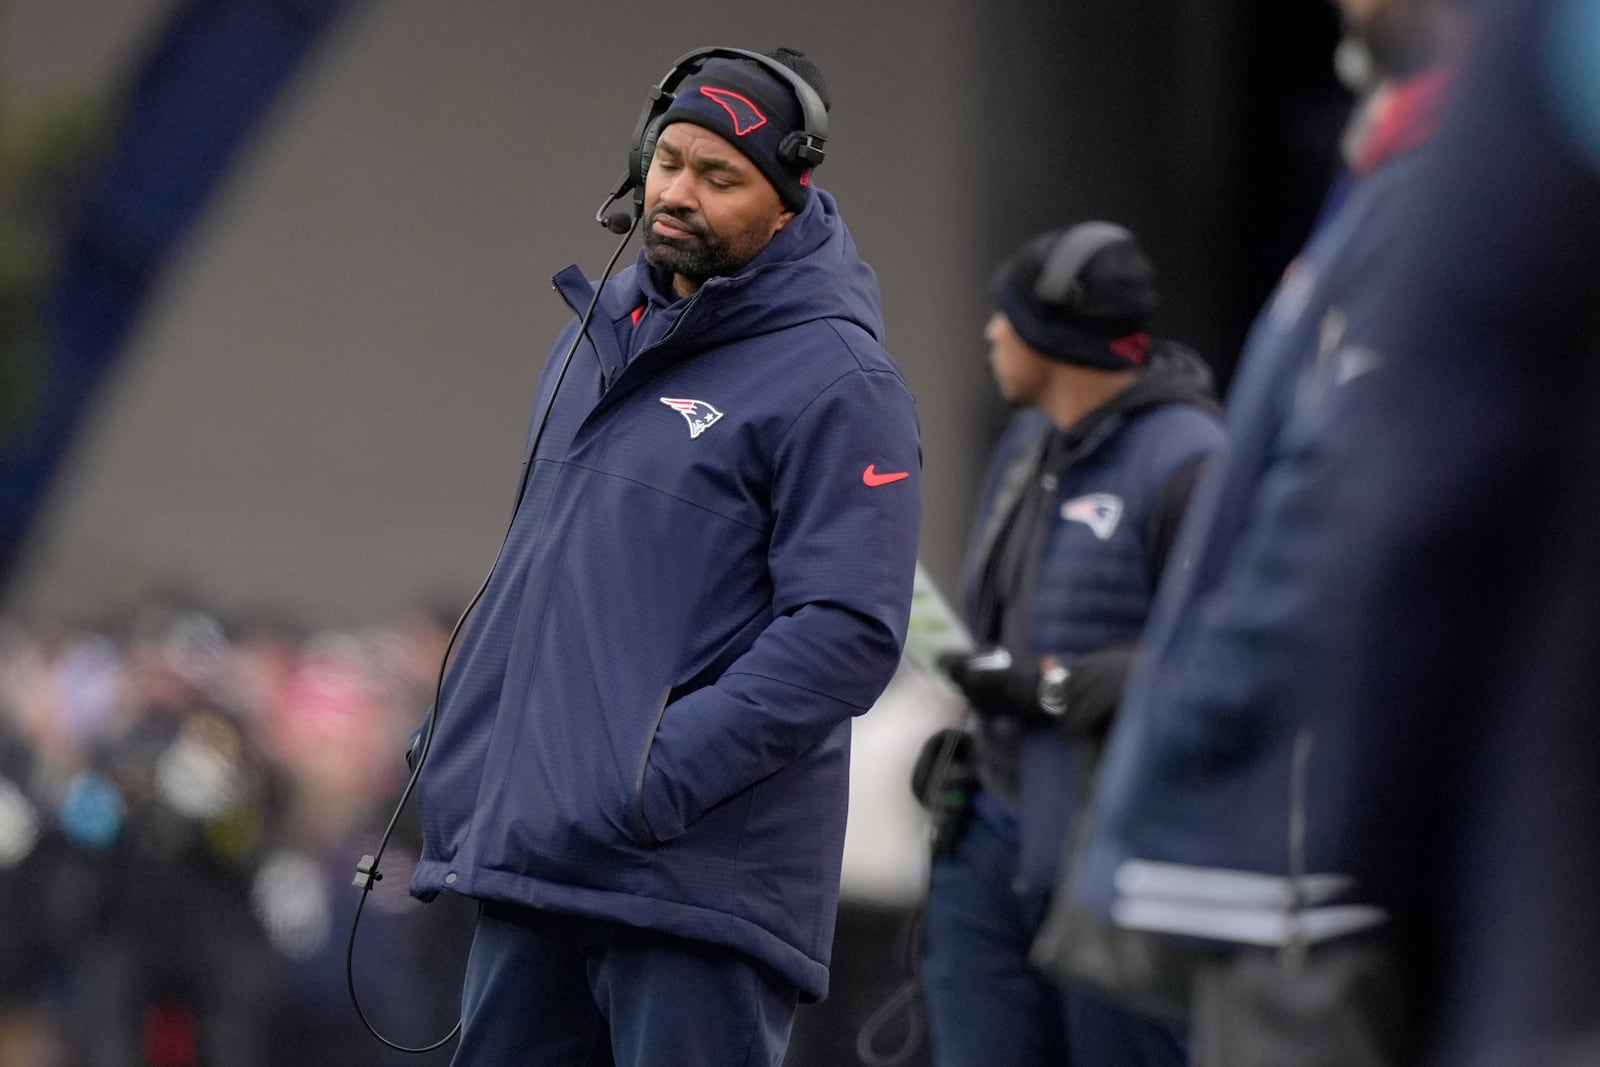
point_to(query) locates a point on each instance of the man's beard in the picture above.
(697, 257)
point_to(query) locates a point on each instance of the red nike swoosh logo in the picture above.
(872, 477)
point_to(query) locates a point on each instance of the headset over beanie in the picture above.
(1095, 317)
(754, 111)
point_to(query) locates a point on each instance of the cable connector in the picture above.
(366, 873)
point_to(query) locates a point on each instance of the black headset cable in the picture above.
(367, 873)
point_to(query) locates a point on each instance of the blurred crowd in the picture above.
(184, 799)
(182, 806)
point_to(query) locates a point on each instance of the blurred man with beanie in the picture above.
(640, 757)
(1082, 499)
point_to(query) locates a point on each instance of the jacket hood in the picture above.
(809, 270)
(1175, 375)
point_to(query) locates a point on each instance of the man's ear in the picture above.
(783, 220)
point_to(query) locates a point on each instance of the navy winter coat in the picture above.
(1227, 758)
(1473, 808)
(708, 575)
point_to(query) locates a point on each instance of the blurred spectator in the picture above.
(176, 956)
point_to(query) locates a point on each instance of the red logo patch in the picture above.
(871, 476)
(1135, 348)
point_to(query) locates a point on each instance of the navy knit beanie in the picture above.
(754, 110)
(1098, 317)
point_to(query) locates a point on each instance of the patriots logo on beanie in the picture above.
(745, 115)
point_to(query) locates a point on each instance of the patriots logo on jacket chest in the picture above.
(698, 413)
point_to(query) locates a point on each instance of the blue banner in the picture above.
(216, 70)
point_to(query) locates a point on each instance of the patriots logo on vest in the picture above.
(1099, 511)
(699, 414)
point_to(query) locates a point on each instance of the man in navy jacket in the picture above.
(1473, 811)
(1232, 751)
(640, 757)
(1082, 500)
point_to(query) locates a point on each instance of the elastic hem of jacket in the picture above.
(810, 976)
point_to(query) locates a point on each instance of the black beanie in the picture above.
(1097, 316)
(753, 110)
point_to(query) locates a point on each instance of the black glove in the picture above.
(1093, 691)
(995, 683)
(943, 780)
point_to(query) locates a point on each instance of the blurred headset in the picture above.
(1060, 282)
(803, 147)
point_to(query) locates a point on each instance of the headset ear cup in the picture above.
(647, 149)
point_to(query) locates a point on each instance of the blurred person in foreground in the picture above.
(1083, 496)
(1474, 806)
(1230, 760)
(640, 758)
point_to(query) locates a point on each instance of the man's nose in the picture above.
(678, 191)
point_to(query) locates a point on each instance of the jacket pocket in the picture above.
(643, 831)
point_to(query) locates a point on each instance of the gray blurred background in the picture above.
(319, 410)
